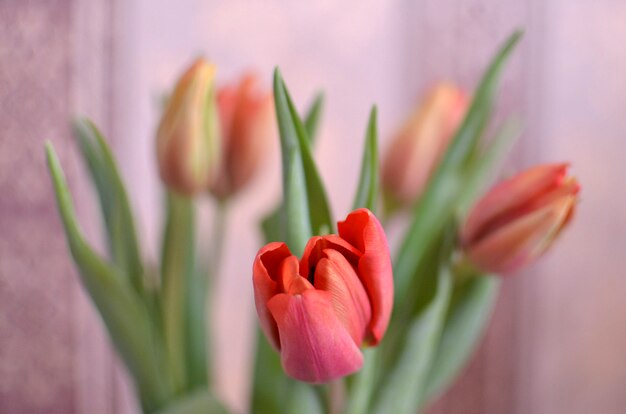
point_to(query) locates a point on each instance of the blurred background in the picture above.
(557, 340)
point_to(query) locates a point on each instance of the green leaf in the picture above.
(319, 209)
(273, 391)
(177, 268)
(468, 315)
(270, 383)
(480, 109)
(199, 402)
(272, 224)
(437, 205)
(129, 325)
(369, 181)
(312, 118)
(482, 171)
(402, 391)
(121, 235)
(306, 207)
(362, 383)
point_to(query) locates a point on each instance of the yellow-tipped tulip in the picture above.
(188, 143)
(420, 144)
(519, 218)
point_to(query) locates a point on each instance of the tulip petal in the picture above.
(515, 244)
(363, 230)
(290, 280)
(265, 271)
(315, 346)
(336, 275)
(314, 252)
(503, 201)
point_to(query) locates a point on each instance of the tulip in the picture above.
(319, 311)
(188, 146)
(519, 218)
(421, 143)
(247, 122)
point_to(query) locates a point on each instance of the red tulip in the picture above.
(421, 143)
(319, 311)
(188, 147)
(520, 218)
(247, 124)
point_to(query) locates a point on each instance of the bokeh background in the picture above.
(558, 337)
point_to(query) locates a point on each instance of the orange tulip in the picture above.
(421, 143)
(318, 311)
(187, 137)
(520, 218)
(247, 122)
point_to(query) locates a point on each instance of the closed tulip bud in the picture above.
(519, 218)
(419, 146)
(188, 145)
(247, 122)
(319, 311)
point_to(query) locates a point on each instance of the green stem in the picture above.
(218, 239)
(209, 274)
(337, 396)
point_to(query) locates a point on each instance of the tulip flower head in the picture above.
(422, 142)
(319, 310)
(247, 125)
(187, 137)
(520, 218)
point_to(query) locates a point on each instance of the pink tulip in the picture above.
(320, 310)
(520, 218)
(247, 124)
(421, 143)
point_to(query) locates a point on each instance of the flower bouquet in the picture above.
(345, 325)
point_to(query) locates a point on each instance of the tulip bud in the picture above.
(187, 137)
(519, 218)
(319, 311)
(421, 143)
(247, 122)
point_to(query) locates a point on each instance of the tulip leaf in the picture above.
(306, 207)
(479, 111)
(272, 224)
(369, 181)
(362, 383)
(269, 387)
(437, 205)
(121, 235)
(127, 320)
(319, 209)
(468, 314)
(403, 388)
(273, 391)
(312, 118)
(199, 402)
(482, 171)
